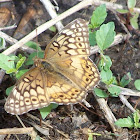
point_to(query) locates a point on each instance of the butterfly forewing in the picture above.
(71, 41)
(64, 75)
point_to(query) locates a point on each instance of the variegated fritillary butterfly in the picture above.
(64, 75)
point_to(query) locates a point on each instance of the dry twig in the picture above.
(107, 113)
(27, 130)
(51, 10)
(46, 124)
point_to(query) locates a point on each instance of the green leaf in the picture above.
(90, 26)
(20, 73)
(6, 62)
(38, 138)
(105, 36)
(106, 76)
(92, 39)
(137, 84)
(98, 16)
(125, 122)
(114, 91)
(131, 4)
(139, 125)
(122, 11)
(9, 90)
(134, 21)
(125, 80)
(20, 62)
(20, 56)
(2, 43)
(101, 64)
(52, 28)
(33, 45)
(108, 62)
(14, 57)
(100, 93)
(11, 71)
(136, 117)
(90, 136)
(46, 110)
(114, 81)
(32, 56)
(105, 63)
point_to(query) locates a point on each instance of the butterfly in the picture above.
(63, 76)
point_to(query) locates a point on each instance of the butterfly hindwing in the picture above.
(28, 93)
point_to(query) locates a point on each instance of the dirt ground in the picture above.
(71, 121)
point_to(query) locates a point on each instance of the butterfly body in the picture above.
(63, 76)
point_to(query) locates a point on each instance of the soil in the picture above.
(75, 121)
